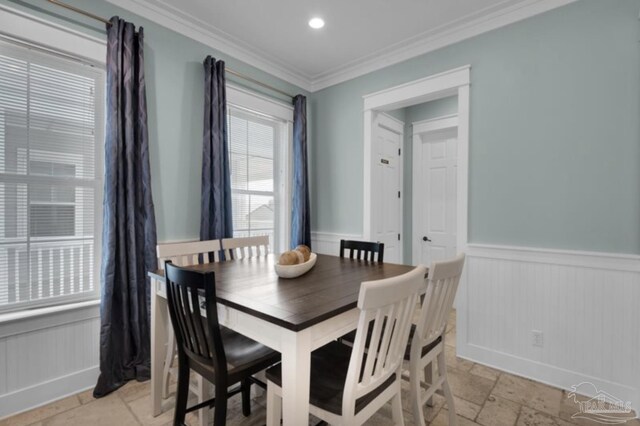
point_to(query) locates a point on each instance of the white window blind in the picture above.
(254, 173)
(51, 129)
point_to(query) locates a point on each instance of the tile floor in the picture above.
(484, 396)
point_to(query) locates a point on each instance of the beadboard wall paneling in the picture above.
(329, 243)
(585, 304)
(48, 357)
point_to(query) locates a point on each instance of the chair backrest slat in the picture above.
(188, 253)
(389, 305)
(442, 285)
(198, 336)
(362, 250)
(245, 247)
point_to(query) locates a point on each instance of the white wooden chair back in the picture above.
(183, 254)
(389, 304)
(442, 284)
(244, 247)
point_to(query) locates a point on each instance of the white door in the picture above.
(387, 184)
(434, 174)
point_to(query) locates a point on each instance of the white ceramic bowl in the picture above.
(293, 271)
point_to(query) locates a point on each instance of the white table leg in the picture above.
(159, 334)
(296, 372)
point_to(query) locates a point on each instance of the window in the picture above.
(51, 129)
(257, 152)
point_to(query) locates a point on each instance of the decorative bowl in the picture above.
(293, 271)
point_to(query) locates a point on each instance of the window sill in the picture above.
(39, 312)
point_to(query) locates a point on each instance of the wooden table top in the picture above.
(329, 289)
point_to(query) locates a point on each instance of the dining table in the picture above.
(293, 316)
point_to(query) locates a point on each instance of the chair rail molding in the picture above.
(585, 304)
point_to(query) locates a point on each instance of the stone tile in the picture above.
(442, 419)
(453, 361)
(465, 408)
(570, 406)
(527, 392)
(141, 408)
(467, 386)
(134, 390)
(107, 411)
(484, 371)
(450, 338)
(86, 396)
(429, 412)
(41, 413)
(498, 412)
(531, 417)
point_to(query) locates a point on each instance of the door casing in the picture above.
(455, 82)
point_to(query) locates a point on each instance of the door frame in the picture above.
(397, 126)
(421, 128)
(449, 83)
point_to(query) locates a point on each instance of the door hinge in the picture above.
(398, 194)
(398, 237)
(399, 151)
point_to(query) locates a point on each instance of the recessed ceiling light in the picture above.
(316, 23)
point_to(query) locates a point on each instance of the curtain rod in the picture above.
(227, 69)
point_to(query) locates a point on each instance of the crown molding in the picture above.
(433, 40)
(196, 29)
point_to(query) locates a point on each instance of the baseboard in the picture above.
(47, 392)
(544, 373)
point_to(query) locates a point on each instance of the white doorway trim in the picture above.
(432, 126)
(449, 83)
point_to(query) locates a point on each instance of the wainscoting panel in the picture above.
(328, 243)
(46, 358)
(586, 305)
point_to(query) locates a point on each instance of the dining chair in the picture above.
(183, 254)
(427, 340)
(218, 354)
(350, 384)
(244, 247)
(360, 248)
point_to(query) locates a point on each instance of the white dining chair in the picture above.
(427, 345)
(350, 384)
(183, 254)
(245, 247)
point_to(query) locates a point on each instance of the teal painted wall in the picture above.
(175, 80)
(555, 139)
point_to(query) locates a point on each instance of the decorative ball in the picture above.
(291, 257)
(306, 251)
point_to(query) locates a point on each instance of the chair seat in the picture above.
(351, 338)
(329, 365)
(245, 356)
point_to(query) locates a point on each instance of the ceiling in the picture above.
(359, 35)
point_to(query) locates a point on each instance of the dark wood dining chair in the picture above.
(358, 249)
(218, 354)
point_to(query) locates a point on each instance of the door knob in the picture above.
(425, 238)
